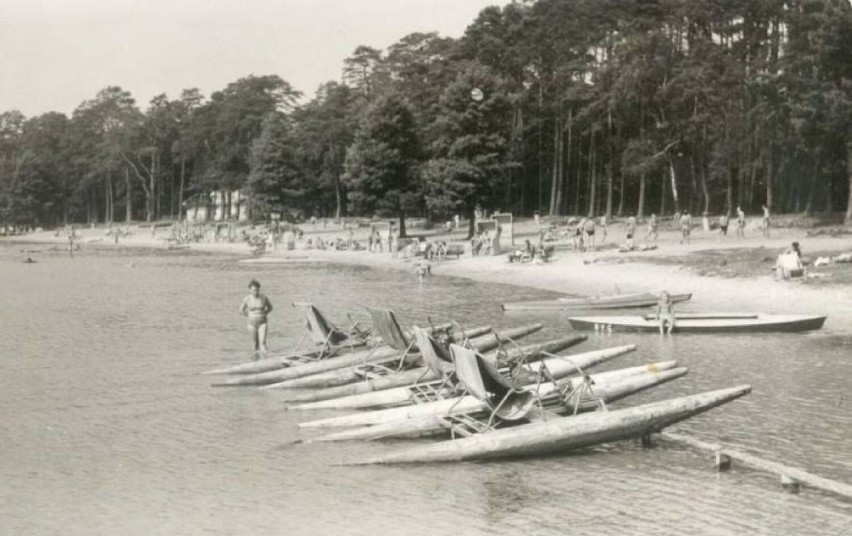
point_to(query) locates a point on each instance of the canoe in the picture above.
(559, 367)
(609, 386)
(619, 301)
(565, 433)
(381, 354)
(702, 323)
(350, 381)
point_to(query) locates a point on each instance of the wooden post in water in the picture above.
(791, 477)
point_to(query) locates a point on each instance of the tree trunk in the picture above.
(729, 192)
(471, 222)
(810, 204)
(555, 185)
(640, 210)
(704, 189)
(592, 178)
(663, 196)
(402, 224)
(128, 191)
(338, 197)
(770, 171)
(848, 218)
(674, 186)
(180, 189)
(578, 175)
(563, 208)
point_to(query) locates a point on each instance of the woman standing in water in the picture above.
(256, 306)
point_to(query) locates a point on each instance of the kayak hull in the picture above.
(623, 301)
(706, 323)
(565, 433)
(609, 386)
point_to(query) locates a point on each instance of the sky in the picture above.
(55, 54)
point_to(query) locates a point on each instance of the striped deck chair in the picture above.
(324, 333)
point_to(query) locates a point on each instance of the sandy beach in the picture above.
(589, 273)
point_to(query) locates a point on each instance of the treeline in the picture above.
(617, 107)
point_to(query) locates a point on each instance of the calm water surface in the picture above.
(107, 428)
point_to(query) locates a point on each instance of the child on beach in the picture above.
(652, 227)
(685, 228)
(589, 230)
(665, 313)
(741, 221)
(765, 222)
(631, 230)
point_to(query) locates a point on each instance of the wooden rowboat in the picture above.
(620, 301)
(565, 433)
(702, 323)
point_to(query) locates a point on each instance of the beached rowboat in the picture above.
(620, 301)
(702, 323)
(565, 433)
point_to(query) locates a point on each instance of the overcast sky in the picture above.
(58, 53)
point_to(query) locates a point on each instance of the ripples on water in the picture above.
(108, 429)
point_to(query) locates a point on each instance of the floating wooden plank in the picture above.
(785, 472)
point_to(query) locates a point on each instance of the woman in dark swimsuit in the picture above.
(256, 306)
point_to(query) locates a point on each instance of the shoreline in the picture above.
(586, 273)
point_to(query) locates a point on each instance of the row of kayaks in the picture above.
(490, 394)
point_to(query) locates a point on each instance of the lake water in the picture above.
(106, 427)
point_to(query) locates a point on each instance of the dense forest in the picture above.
(616, 107)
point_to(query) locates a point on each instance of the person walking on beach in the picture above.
(589, 230)
(723, 226)
(652, 227)
(741, 221)
(631, 230)
(603, 229)
(765, 222)
(665, 313)
(256, 307)
(685, 228)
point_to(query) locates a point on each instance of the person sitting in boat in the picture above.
(256, 307)
(665, 313)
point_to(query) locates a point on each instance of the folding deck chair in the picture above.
(325, 334)
(508, 403)
(481, 379)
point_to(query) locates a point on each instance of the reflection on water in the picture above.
(106, 427)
